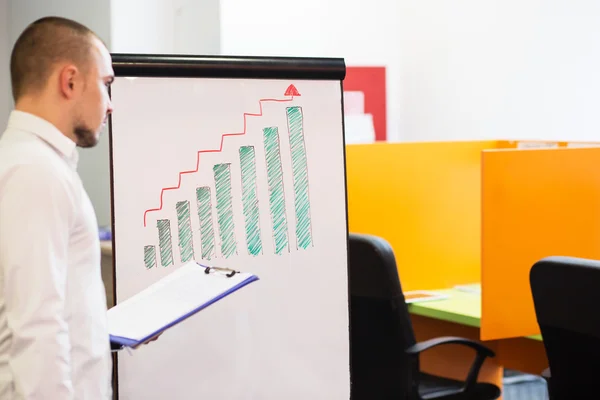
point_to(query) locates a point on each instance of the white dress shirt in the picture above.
(53, 329)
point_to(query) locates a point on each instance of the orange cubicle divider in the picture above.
(533, 144)
(535, 203)
(425, 200)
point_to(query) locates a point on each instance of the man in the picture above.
(53, 330)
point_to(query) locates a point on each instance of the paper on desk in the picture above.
(470, 288)
(420, 296)
(167, 301)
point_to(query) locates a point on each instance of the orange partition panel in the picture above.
(532, 144)
(424, 198)
(535, 203)
(528, 144)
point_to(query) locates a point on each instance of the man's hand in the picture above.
(153, 338)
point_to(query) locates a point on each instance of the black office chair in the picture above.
(384, 353)
(566, 296)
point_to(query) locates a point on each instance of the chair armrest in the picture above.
(481, 350)
(422, 346)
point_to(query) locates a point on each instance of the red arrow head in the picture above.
(292, 91)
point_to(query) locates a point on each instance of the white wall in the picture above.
(95, 14)
(467, 69)
(165, 26)
(489, 69)
(364, 33)
(5, 94)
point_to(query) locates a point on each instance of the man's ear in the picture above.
(68, 81)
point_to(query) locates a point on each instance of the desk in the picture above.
(461, 307)
(460, 315)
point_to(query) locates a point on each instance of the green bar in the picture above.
(300, 172)
(207, 232)
(164, 242)
(150, 256)
(276, 193)
(250, 199)
(184, 224)
(222, 174)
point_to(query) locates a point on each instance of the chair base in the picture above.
(435, 387)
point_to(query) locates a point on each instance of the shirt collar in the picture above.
(46, 131)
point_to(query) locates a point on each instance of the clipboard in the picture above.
(171, 300)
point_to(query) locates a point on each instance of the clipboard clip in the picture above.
(228, 272)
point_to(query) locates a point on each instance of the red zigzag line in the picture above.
(212, 151)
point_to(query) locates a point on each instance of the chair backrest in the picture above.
(566, 295)
(381, 329)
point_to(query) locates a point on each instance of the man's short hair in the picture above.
(41, 45)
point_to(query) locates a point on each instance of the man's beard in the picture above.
(85, 137)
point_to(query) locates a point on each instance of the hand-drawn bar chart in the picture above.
(150, 256)
(300, 171)
(207, 231)
(214, 200)
(276, 195)
(184, 223)
(164, 242)
(225, 209)
(250, 199)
